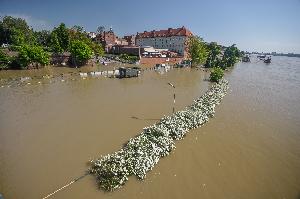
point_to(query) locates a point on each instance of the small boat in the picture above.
(268, 60)
(246, 58)
(261, 56)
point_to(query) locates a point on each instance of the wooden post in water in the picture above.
(174, 96)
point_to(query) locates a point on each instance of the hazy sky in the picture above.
(257, 25)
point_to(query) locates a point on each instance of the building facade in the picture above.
(174, 40)
(107, 38)
(130, 39)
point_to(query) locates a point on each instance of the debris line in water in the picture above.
(141, 153)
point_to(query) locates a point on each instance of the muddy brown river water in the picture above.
(251, 149)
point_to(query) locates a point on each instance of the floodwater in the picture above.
(251, 149)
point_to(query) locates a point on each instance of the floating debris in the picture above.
(143, 152)
(83, 74)
(23, 79)
(97, 73)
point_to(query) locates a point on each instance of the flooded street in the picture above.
(49, 132)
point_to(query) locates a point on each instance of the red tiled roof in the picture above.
(166, 33)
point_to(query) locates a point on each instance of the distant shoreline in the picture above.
(278, 54)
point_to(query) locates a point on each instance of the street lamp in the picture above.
(174, 96)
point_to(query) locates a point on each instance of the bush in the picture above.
(4, 60)
(80, 52)
(216, 74)
(32, 55)
(129, 58)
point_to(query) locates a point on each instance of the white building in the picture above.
(91, 35)
(172, 39)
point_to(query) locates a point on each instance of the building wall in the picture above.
(130, 39)
(173, 43)
(130, 50)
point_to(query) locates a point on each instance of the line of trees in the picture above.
(35, 47)
(213, 55)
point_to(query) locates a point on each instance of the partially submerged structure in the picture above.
(129, 72)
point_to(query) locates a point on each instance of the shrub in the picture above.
(32, 55)
(129, 58)
(80, 52)
(4, 60)
(216, 74)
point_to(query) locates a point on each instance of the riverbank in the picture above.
(47, 74)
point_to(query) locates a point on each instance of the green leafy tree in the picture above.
(14, 31)
(213, 58)
(63, 37)
(98, 49)
(4, 60)
(54, 43)
(32, 55)
(197, 50)
(231, 56)
(77, 28)
(77, 35)
(43, 38)
(80, 52)
(216, 74)
(17, 37)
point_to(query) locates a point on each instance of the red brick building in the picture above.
(130, 39)
(107, 39)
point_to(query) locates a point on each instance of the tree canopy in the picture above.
(231, 56)
(197, 50)
(14, 31)
(32, 55)
(80, 52)
(213, 58)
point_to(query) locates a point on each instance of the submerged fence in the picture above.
(141, 153)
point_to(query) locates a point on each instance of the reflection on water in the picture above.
(48, 132)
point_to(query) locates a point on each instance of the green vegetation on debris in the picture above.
(216, 74)
(128, 58)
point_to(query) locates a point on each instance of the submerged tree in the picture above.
(213, 59)
(230, 57)
(197, 50)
